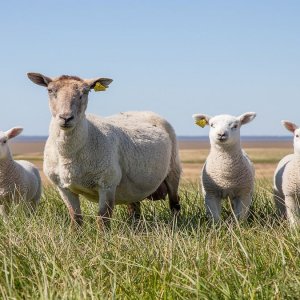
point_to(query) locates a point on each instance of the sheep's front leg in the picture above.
(106, 206)
(241, 206)
(73, 204)
(292, 210)
(213, 207)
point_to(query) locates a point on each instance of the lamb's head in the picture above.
(68, 96)
(296, 131)
(4, 137)
(224, 129)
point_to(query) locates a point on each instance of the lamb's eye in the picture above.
(297, 135)
(234, 126)
(50, 91)
(212, 125)
(4, 142)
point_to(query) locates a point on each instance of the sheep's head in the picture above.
(296, 132)
(68, 96)
(224, 129)
(4, 137)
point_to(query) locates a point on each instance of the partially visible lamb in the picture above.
(287, 180)
(227, 172)
(19, 180)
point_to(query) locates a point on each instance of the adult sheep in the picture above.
(121, 159)
(287, 180)
(227, 172)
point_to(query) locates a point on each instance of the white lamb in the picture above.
(287, 180)
(227, 172)
(121, 159)
(19, 180)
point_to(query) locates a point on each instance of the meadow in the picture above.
(158, 257)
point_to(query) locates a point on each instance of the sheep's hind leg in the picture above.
(134, 210)
(213, 207)
(106, 206)
(172, 182)
(280, 204)
(73, 204)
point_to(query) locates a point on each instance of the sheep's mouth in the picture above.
(66, 126)
(222, 139)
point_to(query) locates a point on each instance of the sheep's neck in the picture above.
(7, 167)
(228, 153)
(69, 142)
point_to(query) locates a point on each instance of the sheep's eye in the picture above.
(212, 125)
(50, 91)
(4, 142)
(234, 126)
(297, 135)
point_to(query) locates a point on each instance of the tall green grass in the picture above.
(157, 258)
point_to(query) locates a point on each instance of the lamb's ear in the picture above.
(246, 117)
(39, 79)
(11, 133)
(289, 126)
(201, 120)
(98, 84)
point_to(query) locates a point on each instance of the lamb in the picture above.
(227, 172)
(121, 159)
(19, 180)
(287, 180)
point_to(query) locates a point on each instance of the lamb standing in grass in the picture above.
(227, 172)
(287, 180)
(120, 159)
(19, 180)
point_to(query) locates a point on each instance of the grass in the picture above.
(159, 258)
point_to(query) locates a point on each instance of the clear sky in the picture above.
(172, 57)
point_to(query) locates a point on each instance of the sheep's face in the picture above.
(4, 137)
(68, 97)
(292, 127)
(224, 129)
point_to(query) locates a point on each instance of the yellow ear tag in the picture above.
(99, 87)
(201, 123)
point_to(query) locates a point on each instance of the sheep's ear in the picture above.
(39, 79)
(13, 132)
(289, 126)
(246, 117)
(201, 120)
(98, 84)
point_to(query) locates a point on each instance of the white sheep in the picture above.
(227, 172)
(19, 180)
(120, 159)
(287, 180)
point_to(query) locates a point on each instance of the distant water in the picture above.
(180, 138)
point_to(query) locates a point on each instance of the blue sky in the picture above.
(172, 57)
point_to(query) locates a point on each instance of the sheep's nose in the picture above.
(66, 117)
(222, 135)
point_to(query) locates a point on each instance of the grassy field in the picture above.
(157, 258)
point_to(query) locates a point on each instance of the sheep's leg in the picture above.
(4, 212)
(134, 210)
(213, 207)
(106, 206)
(73, 204)
(172, 182)
(279, 203)
(292, 210)
(241, 206)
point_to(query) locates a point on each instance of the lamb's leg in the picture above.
(106, 206)
(279, 203)
(134, 210)
(213, 207)
(292, 210)
(241, 206)
(73, 204)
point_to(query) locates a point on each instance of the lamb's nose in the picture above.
(66, 117)
(222, 135)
